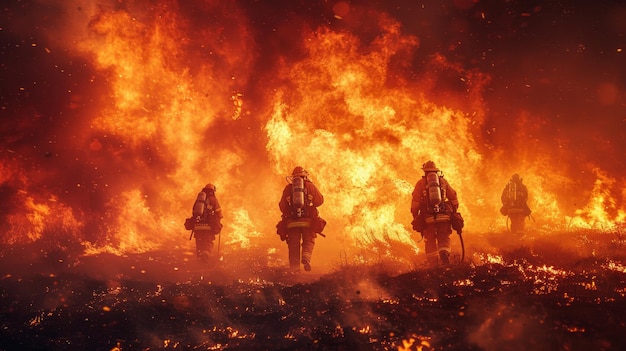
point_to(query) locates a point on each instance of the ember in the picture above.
(479, 304)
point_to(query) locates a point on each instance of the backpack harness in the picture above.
(435, 194)
(202, 211)
(511, 194)
(299, 195)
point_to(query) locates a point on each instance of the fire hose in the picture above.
(462, 246)
(219, 239)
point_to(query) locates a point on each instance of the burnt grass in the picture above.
(523, 299)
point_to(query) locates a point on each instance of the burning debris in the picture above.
(159, 301)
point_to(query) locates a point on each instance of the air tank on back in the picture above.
(513, 192)
(199, 205)
(297, 194)
(434, 191)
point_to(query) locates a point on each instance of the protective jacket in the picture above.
(213, 212)
(515, 195)
(420, 203)
(313, 199)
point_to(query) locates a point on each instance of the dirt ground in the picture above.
(540, 294)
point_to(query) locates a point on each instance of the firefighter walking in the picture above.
(514, 203)
(434, 203)
(300, 222)
(207, 215)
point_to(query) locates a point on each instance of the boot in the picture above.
(203, 256)
(294, 269)
(307, 265)
(445, 257)
(306, 260)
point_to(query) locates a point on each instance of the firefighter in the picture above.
(514, 203)
(208, 215)
(433, 203)
(300, 220)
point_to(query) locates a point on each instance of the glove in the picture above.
(283, 237)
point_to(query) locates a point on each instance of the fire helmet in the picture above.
(210, 187)
(516, 178)
(299, 172)
(430, 167)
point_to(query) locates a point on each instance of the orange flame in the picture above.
(351, 110)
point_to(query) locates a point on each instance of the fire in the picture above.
(417, 344)
(178, 101)
(373, 138)
(602, 211)
(37, 217)
(160, 108)
(135, 220)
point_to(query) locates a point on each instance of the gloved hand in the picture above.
(283, 237)
(418, 224)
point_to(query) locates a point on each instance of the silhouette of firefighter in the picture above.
(300, 222)
(514, 203)
(205, 222)
(434, 208)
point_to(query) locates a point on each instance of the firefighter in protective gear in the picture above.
(300, 220)
(208, 215)
(514, 203)
(433, 203)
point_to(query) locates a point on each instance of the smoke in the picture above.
(510, 325)
(116, 114)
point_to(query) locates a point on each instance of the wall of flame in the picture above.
(118, 112)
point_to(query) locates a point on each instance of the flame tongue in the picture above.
(182, 107)
(372, 136)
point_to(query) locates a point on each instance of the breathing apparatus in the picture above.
(512, 192)
(297, 195)
(435, 199)
(199, 205)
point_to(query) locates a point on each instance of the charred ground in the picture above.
(561, 292)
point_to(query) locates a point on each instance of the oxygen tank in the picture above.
(297, 195)
(513, 192)
(434, 191)
(199, 205)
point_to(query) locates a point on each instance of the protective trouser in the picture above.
(204, 242)
(437, 242)
(300, 239)
(517, 222)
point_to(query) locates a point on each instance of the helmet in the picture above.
(299, 172)
(210, 186)
(516, 178)
(430, 167)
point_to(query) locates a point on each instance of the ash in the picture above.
(526, 296)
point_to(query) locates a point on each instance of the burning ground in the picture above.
(535, 293)
(116, 113)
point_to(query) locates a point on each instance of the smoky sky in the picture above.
(562, 62)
